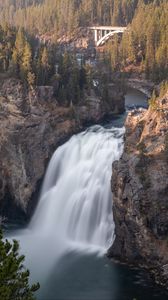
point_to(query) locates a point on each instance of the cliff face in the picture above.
(140, 192)
(32, 127)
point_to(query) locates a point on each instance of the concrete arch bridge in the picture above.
(103, 33)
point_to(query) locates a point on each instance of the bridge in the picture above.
(103, 33)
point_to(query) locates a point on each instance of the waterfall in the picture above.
(75, 206)
(76, 200)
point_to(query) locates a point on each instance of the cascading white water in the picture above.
(76, 198)
(75, 207)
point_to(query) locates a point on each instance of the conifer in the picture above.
(14, 277)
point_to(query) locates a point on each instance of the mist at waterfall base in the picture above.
(73, 225)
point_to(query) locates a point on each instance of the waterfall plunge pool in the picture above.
(72, 227)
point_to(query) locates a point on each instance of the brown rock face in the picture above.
(32, 126)
(29, 134)
(140, 192)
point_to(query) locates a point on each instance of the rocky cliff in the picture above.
(33, 125)
(140, 192)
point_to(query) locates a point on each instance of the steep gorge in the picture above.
(140, 187)
(33, 125)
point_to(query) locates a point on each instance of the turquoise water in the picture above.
(134, 98)
(79, 276)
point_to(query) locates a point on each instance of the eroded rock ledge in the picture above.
(142, 85)
(140, 192)
(33, 125)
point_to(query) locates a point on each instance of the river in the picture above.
(67, 239)
(134, 98)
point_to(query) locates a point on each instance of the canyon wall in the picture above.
(140, 192)
(33, 125)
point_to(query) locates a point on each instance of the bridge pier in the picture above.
(98, 34)
(95, 35)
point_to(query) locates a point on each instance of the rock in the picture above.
(44, 93)
(142, 85)
(140, 193)
(33, 125)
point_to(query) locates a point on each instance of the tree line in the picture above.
(145, 43)
(36, 64)
(40, 16)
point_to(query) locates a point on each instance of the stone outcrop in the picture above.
(80, 39)
(140, 192)
(33, 125)
(142, 85)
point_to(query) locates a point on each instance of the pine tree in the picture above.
(18, 52)
(26, 63)
(14, 278)
(7, 38)
(31, 78)
(152, 100)
(45, 66)
(115, 59)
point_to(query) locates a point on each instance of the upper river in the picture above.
(72, 227)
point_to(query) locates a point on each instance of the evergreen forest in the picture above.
(142, 48)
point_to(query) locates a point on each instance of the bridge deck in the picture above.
(108, 28)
